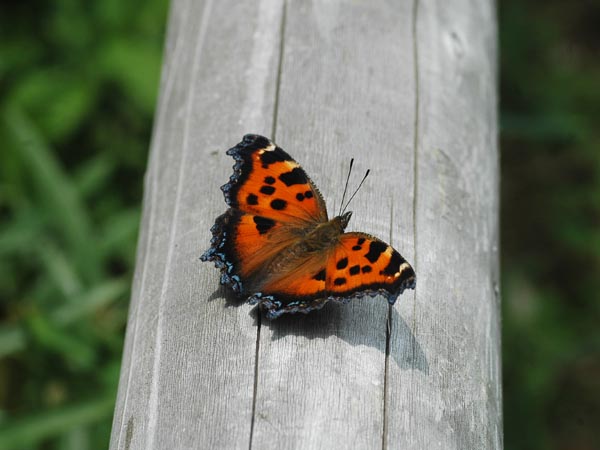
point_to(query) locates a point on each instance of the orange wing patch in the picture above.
(243, 244)
(295, 282)
(304, 278)
(364, 263)
(269, 183)
(257, 240)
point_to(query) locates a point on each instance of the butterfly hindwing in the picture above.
(269, 183)
(357, 265)
(362, 264)
(296, 283)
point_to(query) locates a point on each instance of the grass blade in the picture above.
(32, 430)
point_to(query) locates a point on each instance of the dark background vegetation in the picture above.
(78, 85)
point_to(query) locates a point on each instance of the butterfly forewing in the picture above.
(267, 182)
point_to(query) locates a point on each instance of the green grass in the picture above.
(78, 85)
(550, 224)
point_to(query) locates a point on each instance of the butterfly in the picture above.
(276, 246)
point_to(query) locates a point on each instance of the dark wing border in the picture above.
(242, 154)
(220, 251)
(274, 307)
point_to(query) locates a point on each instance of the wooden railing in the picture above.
(407, 88)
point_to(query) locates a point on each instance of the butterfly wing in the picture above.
(272, 204)
(295, 282)
(364, 265)
(267, 182)
(357, 265)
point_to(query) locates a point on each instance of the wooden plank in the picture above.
(444, 380)
(188, 368)
(200, 373)
(347, 89)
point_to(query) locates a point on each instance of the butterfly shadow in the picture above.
(231, 299)
(333, 321)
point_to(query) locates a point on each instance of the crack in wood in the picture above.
(388, 334)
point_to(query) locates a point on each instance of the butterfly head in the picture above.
(344, 219)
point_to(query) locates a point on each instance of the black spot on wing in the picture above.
(360, 241)
(354, 270)
(342, 263)
(320, 276)
(376, 248)
(366, 269)
(339, 281)
(269, 180)
(263, 224)
(252, 199)
(394, 264)
(299, 197)
(295, 176)
(356, 247)
(308, 194)
(274, 156)
(267, 190)
(278, 204)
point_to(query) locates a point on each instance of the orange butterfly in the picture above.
(276, 246)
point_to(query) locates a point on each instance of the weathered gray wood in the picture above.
(451, 398)
(188, 368)
(408, 89)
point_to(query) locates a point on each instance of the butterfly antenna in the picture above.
(361, 183)
(346, 187)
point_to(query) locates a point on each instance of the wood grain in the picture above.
(408, 89)
(188, 368)
(452, 401)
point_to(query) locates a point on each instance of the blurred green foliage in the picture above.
(550, 122)
(78, 84)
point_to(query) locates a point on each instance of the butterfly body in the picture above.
(325, 234)
(277, 247)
